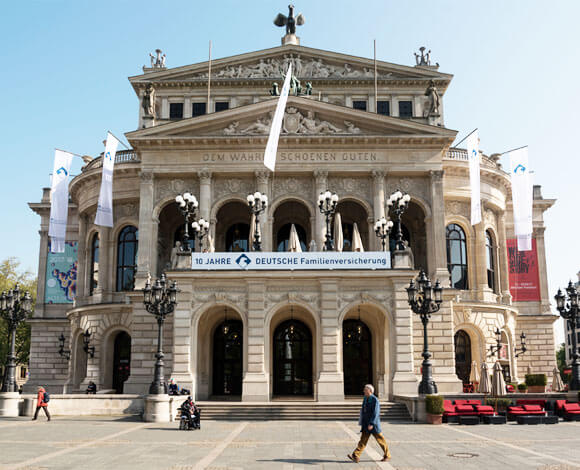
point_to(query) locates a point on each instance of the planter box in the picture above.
(537, 388)
(434, 419)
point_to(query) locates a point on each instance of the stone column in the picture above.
(541, 251)
(147, 251)
(84, 258)
(321, 178)
(503, 270)
(204, 195)
(330, 385)
(107, 276)
(255, 385)
(436, 249)
(41, 284)
(378, 206)
(182, 338)
(266, 220)
(480, 262)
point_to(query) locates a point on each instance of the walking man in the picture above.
(42, 402)
(370, 424)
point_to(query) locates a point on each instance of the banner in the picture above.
(472, 143)
(105, 207)
(272, 145)
(61, 275)
(289, 261)
(59, 200)
(524, 275)
(523, 198)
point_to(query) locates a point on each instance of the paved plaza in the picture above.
(126, 443)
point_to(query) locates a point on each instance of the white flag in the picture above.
(105, 207)
(59, 200)
(523, 198)
(272, 145)
(472, 143)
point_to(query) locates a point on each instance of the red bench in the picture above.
(571, 411)
(526, 408)
(465, 408)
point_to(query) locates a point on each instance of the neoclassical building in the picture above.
(314, 333)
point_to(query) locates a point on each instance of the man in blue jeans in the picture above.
(370, 422)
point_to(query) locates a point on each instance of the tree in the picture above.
(561, 362)
(10, 274)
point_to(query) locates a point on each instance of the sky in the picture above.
(66, 63)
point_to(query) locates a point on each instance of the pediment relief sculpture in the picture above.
(303, 68)
(294, 122)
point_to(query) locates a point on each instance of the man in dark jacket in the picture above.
(370, 423)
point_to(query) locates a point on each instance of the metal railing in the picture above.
(458, 154)
(122, 156)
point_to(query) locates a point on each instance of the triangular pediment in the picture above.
(308, 64)
(304, 117)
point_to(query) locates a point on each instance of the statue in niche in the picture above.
(149, 101)
(433, 100)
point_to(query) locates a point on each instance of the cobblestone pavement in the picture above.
(121, 443)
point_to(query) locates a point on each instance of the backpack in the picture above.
(46, 398)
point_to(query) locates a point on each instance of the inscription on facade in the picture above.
(292, 157)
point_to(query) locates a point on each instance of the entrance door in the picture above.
(121, 361)
(356, 356)
(292, 359)
(462, 356)
(228, 358)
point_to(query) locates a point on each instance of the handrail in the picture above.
(122, 156)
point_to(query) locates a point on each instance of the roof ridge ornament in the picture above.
(157, 61)
(290, 22)
(424, 60)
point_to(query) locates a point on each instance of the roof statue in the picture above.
(424, 60)
(158, 61)
(290, 22)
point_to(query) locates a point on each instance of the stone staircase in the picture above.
(297, 410)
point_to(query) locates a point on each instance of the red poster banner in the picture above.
(524, 275)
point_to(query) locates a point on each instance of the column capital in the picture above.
(379, 175)
(146, 176)
(262, 176)
(436, 175)
(204, 176)
(321, 176)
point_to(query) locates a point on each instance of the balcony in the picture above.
(122, 156)
(457, 154)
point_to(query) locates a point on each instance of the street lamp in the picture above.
(327, 203)
(382, 229)
(523, 348)
(397, 203)
(258, 203)
(159, 300)
(425, 300)
(188, 206)
(61, 351)
(569, 310)
(90, 350)
(14, 308)
(493, 348)
(200, 229)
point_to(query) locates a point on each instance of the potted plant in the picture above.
(434, 407)
(522, 388)
(500, 404)
(536, 383)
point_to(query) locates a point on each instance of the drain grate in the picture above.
(463, 455)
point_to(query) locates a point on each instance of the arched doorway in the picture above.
(233, 227)
(228, 358)
(286, 214)
(356, 356)
(462, 355)
(121, 360)
(352, 212)
(80, 358)
(292, 359)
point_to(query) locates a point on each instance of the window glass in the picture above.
(490, 260)
(221, 106)
(362, 105)
(457, 256)
(127, 258)
(175, 110)
(405, 109)
(94, 275)
(237, 238)
(197, 109)
(384, 107)
(283, 237)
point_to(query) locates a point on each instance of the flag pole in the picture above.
(66, 151)
(465, 137)
(375, 60)
(513, 150)
(209, 78)
(120, 141)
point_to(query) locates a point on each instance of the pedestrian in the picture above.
(91, 388)
(42, 402)
(370, 423)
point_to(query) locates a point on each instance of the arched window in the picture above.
(94, 275)
(283, 237)
(178, 237)
(462, 343)
(490, 260)
(237, 238)
(457, 256)
(127, 258)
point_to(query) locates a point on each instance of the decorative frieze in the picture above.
(224, 187)
(457, 208)
(292, 185)
(418, 187)
(355, 186)
(172, 187)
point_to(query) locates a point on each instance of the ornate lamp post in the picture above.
(327, 203)
(425, 300)
(90, 350)
(200, 229)
(188, 207)
(569, 310)
(397, 203)
(382, 229)
(493, 348)
(61, 351)
(14, 308)
(523, 348)
(258, 203)
(160, 301)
